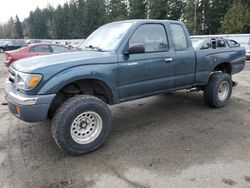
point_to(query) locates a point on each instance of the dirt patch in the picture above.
(229, 182)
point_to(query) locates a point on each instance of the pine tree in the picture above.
(10, 31)
(190, 16)
(26, 29)
(165, 9)
(37, 22)
(237, 19)
(175, 9)
(138, 9)
(19, 28)
(217, 11)
(81, 16)
(158, 9)
(65, 33)
(95, 13)
(2, 32)
(50, 11)
(58, 22)
(117, 10)
(75, 21)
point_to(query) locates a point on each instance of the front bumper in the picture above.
(27, 108)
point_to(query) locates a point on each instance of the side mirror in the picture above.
(138, 48)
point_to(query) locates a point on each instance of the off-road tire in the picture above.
(211, 92)
(66, 115)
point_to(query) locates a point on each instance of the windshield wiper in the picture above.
(95, 47)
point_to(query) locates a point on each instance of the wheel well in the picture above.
(91, 87)
(223, 67)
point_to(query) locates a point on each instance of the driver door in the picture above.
(150, 72)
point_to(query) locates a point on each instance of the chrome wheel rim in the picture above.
(86, 127)
(223, 90)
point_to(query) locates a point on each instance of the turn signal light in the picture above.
(18, 111)
(34, 81)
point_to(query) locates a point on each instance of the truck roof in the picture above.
(138, 21)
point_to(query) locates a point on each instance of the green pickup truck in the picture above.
(119, 62)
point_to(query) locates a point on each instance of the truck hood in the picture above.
(58, 62)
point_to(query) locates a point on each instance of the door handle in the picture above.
(168, 60)
(132, 63)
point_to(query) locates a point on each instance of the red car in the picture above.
(34, 50)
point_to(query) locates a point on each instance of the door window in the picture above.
(179, 37)
(19, 43)
(10, 43)
(59, 49)
(152, 36)
(41, 48)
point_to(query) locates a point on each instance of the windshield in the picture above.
(106, 38)
(4, 43)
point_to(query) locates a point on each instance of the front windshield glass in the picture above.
(106, 38)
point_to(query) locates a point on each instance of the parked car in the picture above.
(31, 41)
(12, 45)
(248, 52)
(34, 49)
(201, 43)
(2, 42)
(119, 62)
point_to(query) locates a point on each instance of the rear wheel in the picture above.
(218, 91)
(81, 125)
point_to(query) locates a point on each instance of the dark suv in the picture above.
(11, 45)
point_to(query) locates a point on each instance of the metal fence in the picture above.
(242, 39)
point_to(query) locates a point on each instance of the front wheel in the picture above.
(218, 91)
(81, 125)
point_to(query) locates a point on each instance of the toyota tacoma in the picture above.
(118, 62)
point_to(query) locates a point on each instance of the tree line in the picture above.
(78, 18)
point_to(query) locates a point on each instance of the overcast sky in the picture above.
(22, 8)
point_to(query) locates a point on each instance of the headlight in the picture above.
(26, 81)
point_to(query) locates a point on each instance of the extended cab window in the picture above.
(44, 49)
(152, 36)
(179, 37)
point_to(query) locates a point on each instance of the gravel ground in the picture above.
(162, 141)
